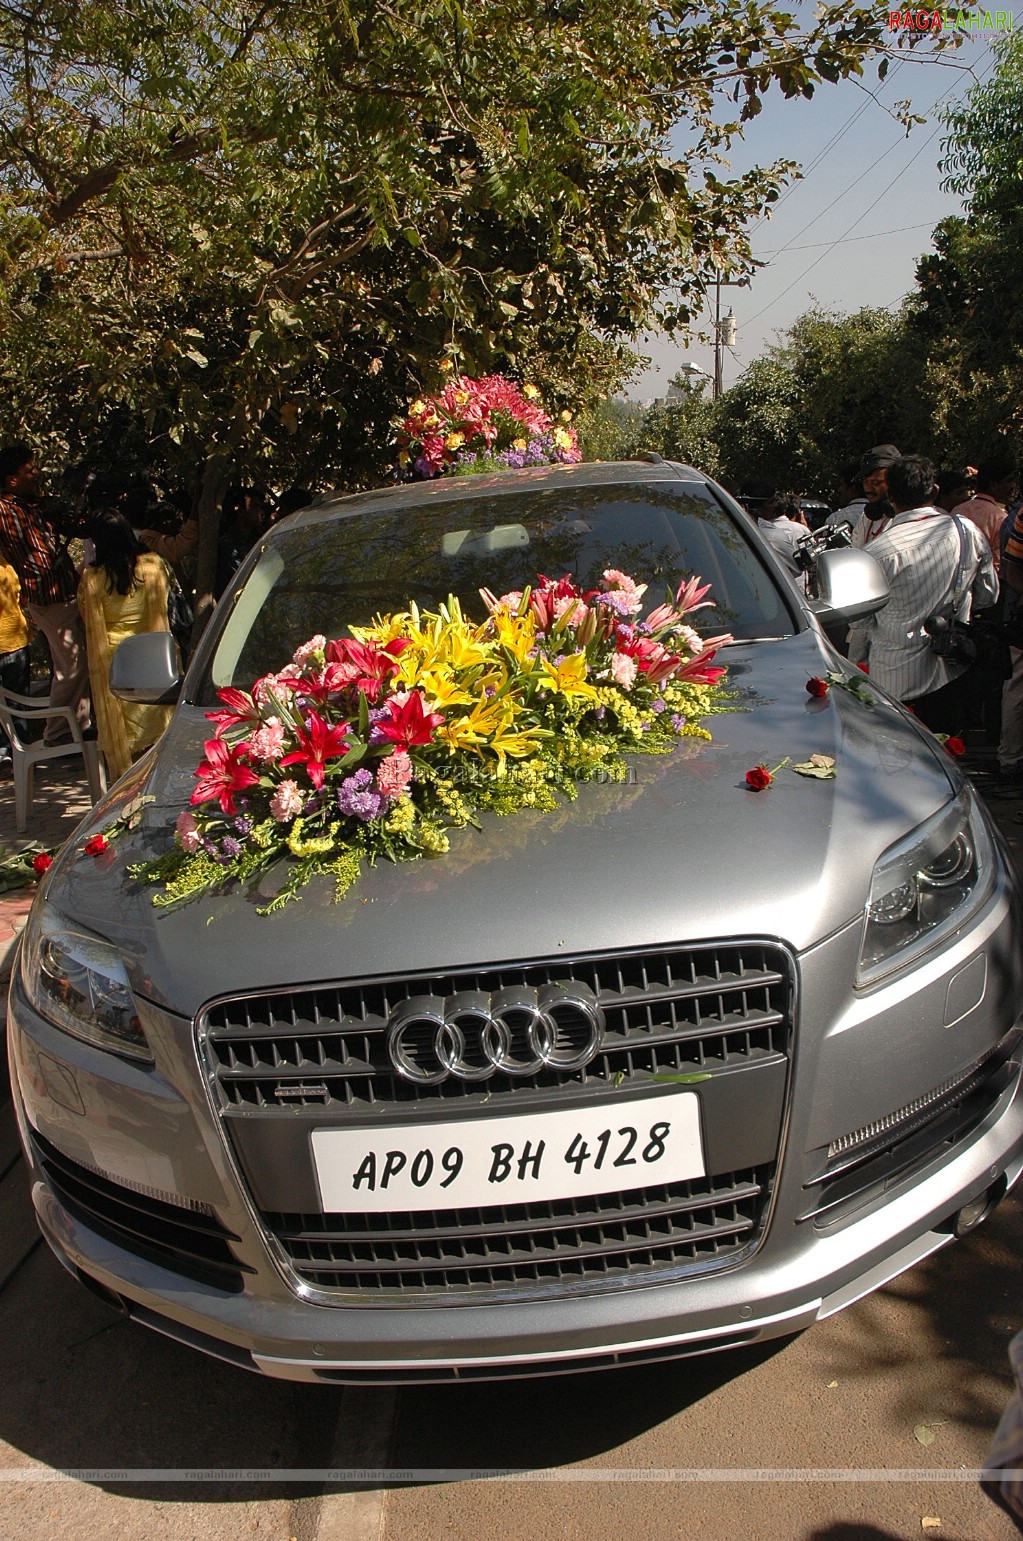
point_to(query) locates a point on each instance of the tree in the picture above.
(241, 234)
(966, 310)
(682, 426)
(832, 387)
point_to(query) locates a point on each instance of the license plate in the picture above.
(471, 1163)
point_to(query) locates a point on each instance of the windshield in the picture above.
(338, 572)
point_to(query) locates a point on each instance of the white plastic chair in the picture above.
(15, 711)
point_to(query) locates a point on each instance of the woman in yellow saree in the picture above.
(123, 593)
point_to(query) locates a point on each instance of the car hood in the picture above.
(681, 851)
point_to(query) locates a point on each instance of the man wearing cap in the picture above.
(877, 511)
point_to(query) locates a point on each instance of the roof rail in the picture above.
(650, 456)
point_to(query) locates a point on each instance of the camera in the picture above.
(830, 537)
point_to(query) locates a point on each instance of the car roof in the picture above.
(449, 489)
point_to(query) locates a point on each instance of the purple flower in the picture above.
(678, 722)
(615, 600)
(210, 847)
(358, 798)
(659, 706)
(230, 847)
(243, 826)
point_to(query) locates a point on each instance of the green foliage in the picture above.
(236, 239)
(832, 387)
(683, 427)
(612, 429)
(966, 312)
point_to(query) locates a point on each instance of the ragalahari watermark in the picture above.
(950, 21)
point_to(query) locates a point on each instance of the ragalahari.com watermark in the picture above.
(950, 21)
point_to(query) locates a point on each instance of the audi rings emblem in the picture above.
(517, 1031)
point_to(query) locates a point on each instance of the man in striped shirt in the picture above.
(920, 553)
(49, 584)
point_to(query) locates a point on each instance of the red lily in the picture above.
(241, 711)
(366, 666)
(222, 774)
(410, 723)
(652, 660)
(319, 684)
(315, 747)
(548, 592)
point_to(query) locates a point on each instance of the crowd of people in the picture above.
(950, 543)
(119, 562)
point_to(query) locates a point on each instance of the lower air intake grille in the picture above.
(863, 1164)
(185, 1240)
(572, 1241)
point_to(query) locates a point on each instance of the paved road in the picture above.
(911, 1380)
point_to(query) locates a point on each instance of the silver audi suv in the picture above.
(808, 995)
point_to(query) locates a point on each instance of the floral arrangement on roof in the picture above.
(483, 425)
(377, 745)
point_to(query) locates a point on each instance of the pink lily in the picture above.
(690, 596)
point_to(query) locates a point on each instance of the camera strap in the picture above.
(957, 589)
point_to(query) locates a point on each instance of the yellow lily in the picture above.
(517, 634)
(568, 678)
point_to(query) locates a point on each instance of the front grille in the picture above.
(685, 1010)
(189, 1241)
(284, 1063)
(572, 1241)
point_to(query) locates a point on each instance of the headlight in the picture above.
(923, 887)
(78, 983)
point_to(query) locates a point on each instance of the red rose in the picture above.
(955, 746)
(40, 863)
(96, 846)
(817, 687)
(758, 778)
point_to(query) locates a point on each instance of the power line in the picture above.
(883, 156)
(845, 233)
(928, 224)
(873, 96)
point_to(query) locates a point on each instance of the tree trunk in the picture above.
(216, 478)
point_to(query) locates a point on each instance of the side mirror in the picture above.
(849, 586)
(147, 669)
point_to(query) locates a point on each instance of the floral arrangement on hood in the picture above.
(483, 425)
(378, 744)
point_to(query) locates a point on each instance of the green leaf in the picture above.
(682, 1080)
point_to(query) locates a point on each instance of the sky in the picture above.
(850, 233)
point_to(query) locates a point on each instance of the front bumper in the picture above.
(858, 1059)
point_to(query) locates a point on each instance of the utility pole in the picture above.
(724, 327)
